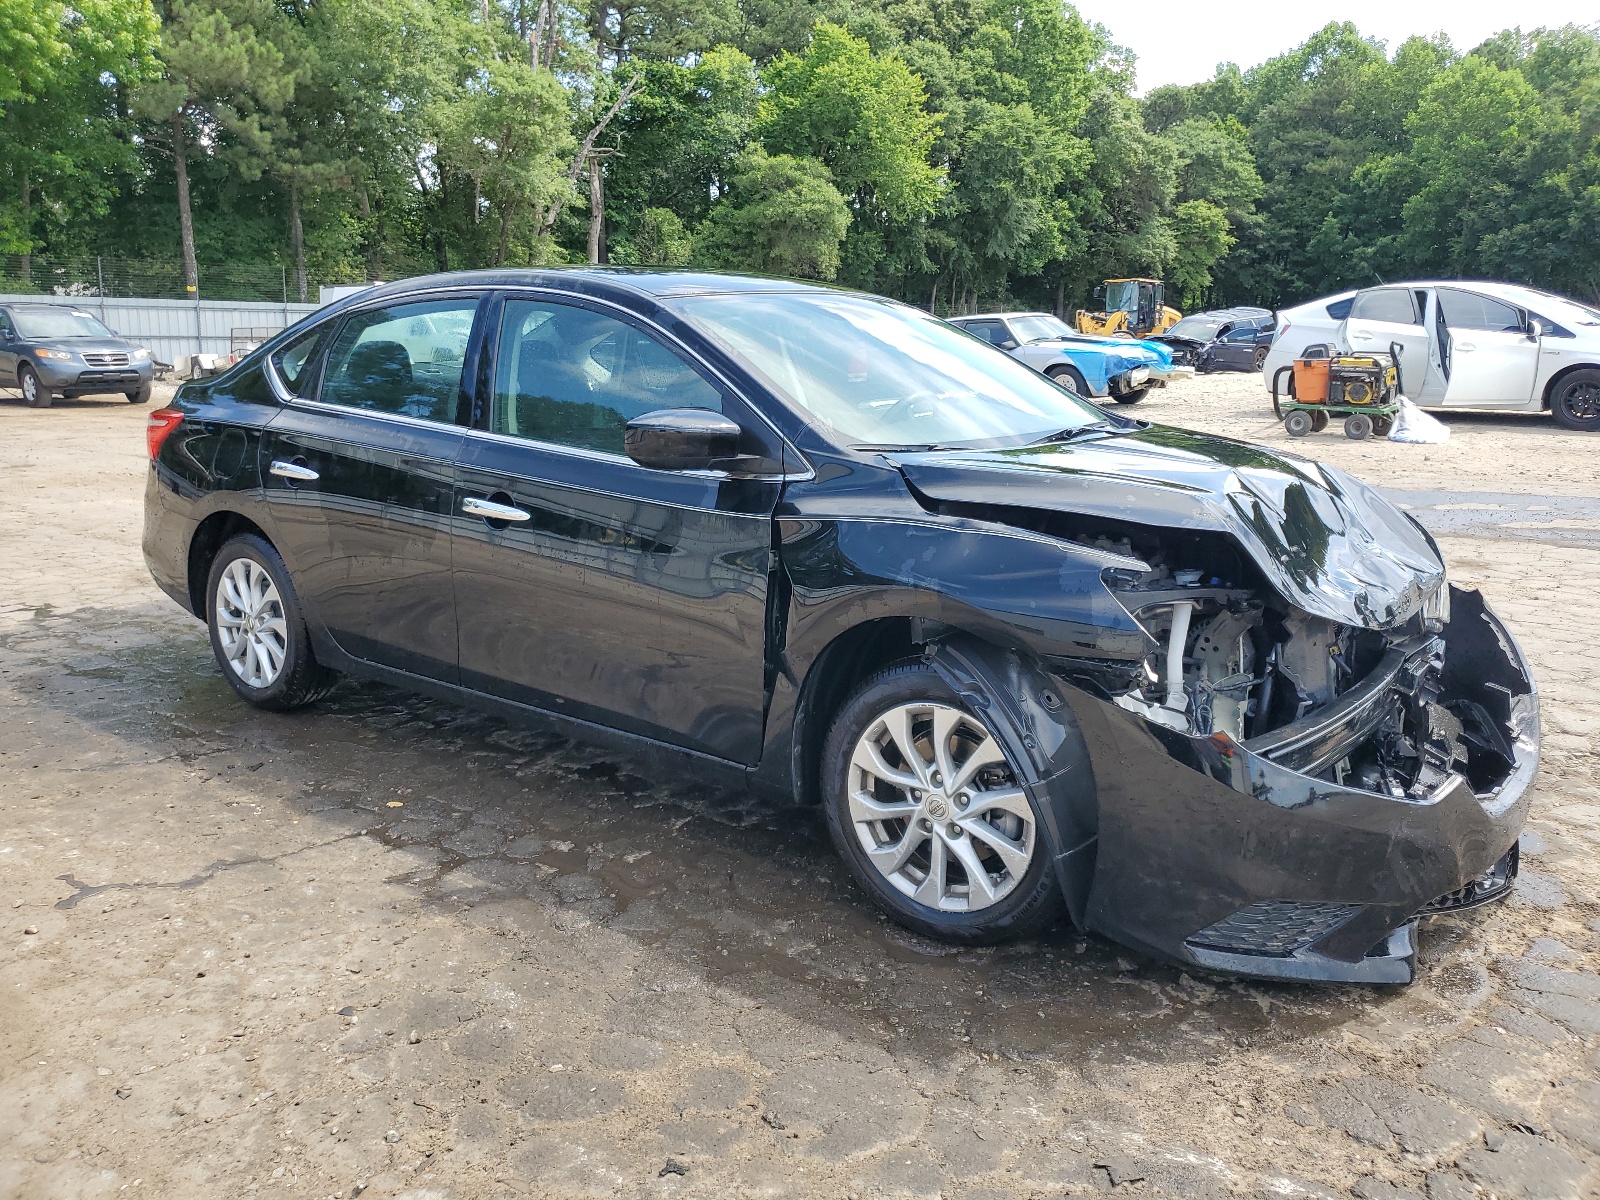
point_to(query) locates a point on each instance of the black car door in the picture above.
(590, 585)
(1235, 346)
(360, 472)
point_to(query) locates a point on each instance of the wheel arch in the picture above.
(208, 538)
(1009, 687)
(1555, 381)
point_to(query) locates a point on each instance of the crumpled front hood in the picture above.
(1331, 545)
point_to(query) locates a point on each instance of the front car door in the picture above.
(1385, 316)
(1491, 359)
(8, 351)
(360, 472)
(587, 584)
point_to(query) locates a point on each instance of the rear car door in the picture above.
(1491, 359)
(588, 584)
(360, 472)
(1235, 346)
(1383, 316)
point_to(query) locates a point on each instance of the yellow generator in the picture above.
(1134, 308)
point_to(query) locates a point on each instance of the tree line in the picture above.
(957, 154)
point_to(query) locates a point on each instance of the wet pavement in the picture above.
(391, 946)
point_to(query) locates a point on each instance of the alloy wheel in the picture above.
(937, 808)
(1582, 401)
(250, 623)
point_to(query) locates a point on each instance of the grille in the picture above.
(1274, 927)
(1491, 885)
(106, 360)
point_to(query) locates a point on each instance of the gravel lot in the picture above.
(391, 947)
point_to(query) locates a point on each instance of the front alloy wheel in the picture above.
(929, 813)
(34, 393)
(937, 809)
(1576, 403)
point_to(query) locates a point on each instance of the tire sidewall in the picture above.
(1031, 904)
(278, 694)
(41, 394)
(1071, 378)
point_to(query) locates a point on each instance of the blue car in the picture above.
(1124, 369)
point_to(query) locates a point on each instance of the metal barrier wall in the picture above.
(175, 329)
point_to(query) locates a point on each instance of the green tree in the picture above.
(782, 216)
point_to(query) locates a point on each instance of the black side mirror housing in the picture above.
(681, 439)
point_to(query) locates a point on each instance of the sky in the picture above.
(1182, 42)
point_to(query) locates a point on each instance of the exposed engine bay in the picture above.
(1359, 707)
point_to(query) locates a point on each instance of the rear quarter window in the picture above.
(1340, 309)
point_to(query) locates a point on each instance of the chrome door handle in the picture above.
(291, 470)
(1360, 337)
(490, 511)
(1466, 346)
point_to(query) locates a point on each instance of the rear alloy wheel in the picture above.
(1259, 362)
(34, 393)
(1576, 402)
(928, 812)
(257, 633)
(1358, 427)
(1298, 423)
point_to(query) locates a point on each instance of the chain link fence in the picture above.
(154, 279)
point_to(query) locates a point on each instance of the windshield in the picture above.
(1563, 308)
(1198, 329)
(873, 373)
(57, 323)
(1123, 296)
(1040, 327)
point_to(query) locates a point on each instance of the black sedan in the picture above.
(50, 350)
(1224, 339)
(1028, 656)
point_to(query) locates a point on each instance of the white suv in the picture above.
(1464, 344)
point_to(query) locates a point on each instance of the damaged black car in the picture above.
(1031, 658)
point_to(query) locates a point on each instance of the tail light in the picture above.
(159, 426)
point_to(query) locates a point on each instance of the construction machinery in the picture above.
(1134, 308)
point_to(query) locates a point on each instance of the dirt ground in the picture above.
(389, 947)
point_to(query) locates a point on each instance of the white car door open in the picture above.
(1385, 316)
(1493, 357)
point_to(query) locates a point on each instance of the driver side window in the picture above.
(575, 377)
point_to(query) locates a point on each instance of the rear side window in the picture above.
(1469, 310)
(404, 359)
(1340, 309)
(1394, 305)
(575, 377)
(992, 332)
(296, 363)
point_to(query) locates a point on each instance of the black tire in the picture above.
(300, 680)
(1381, 426)
(1575, 403)
(1358, 427)
(1069, 377)
(1132, 397)
(1259, 362)
(142, 396)
(34, 393)
(1298, 422)
(1034, 901)
(1319, 422)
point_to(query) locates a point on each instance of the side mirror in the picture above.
(1535, 330)
(1098, 292)
(1008, 344)
(681, 439)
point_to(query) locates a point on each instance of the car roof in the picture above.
(999, 316)
(655, 282)
(1243, 310)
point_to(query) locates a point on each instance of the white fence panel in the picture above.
(175, 329)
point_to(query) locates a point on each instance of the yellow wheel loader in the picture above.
(1134, 308)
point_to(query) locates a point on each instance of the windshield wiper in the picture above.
(1073, 434)
(903, 448)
